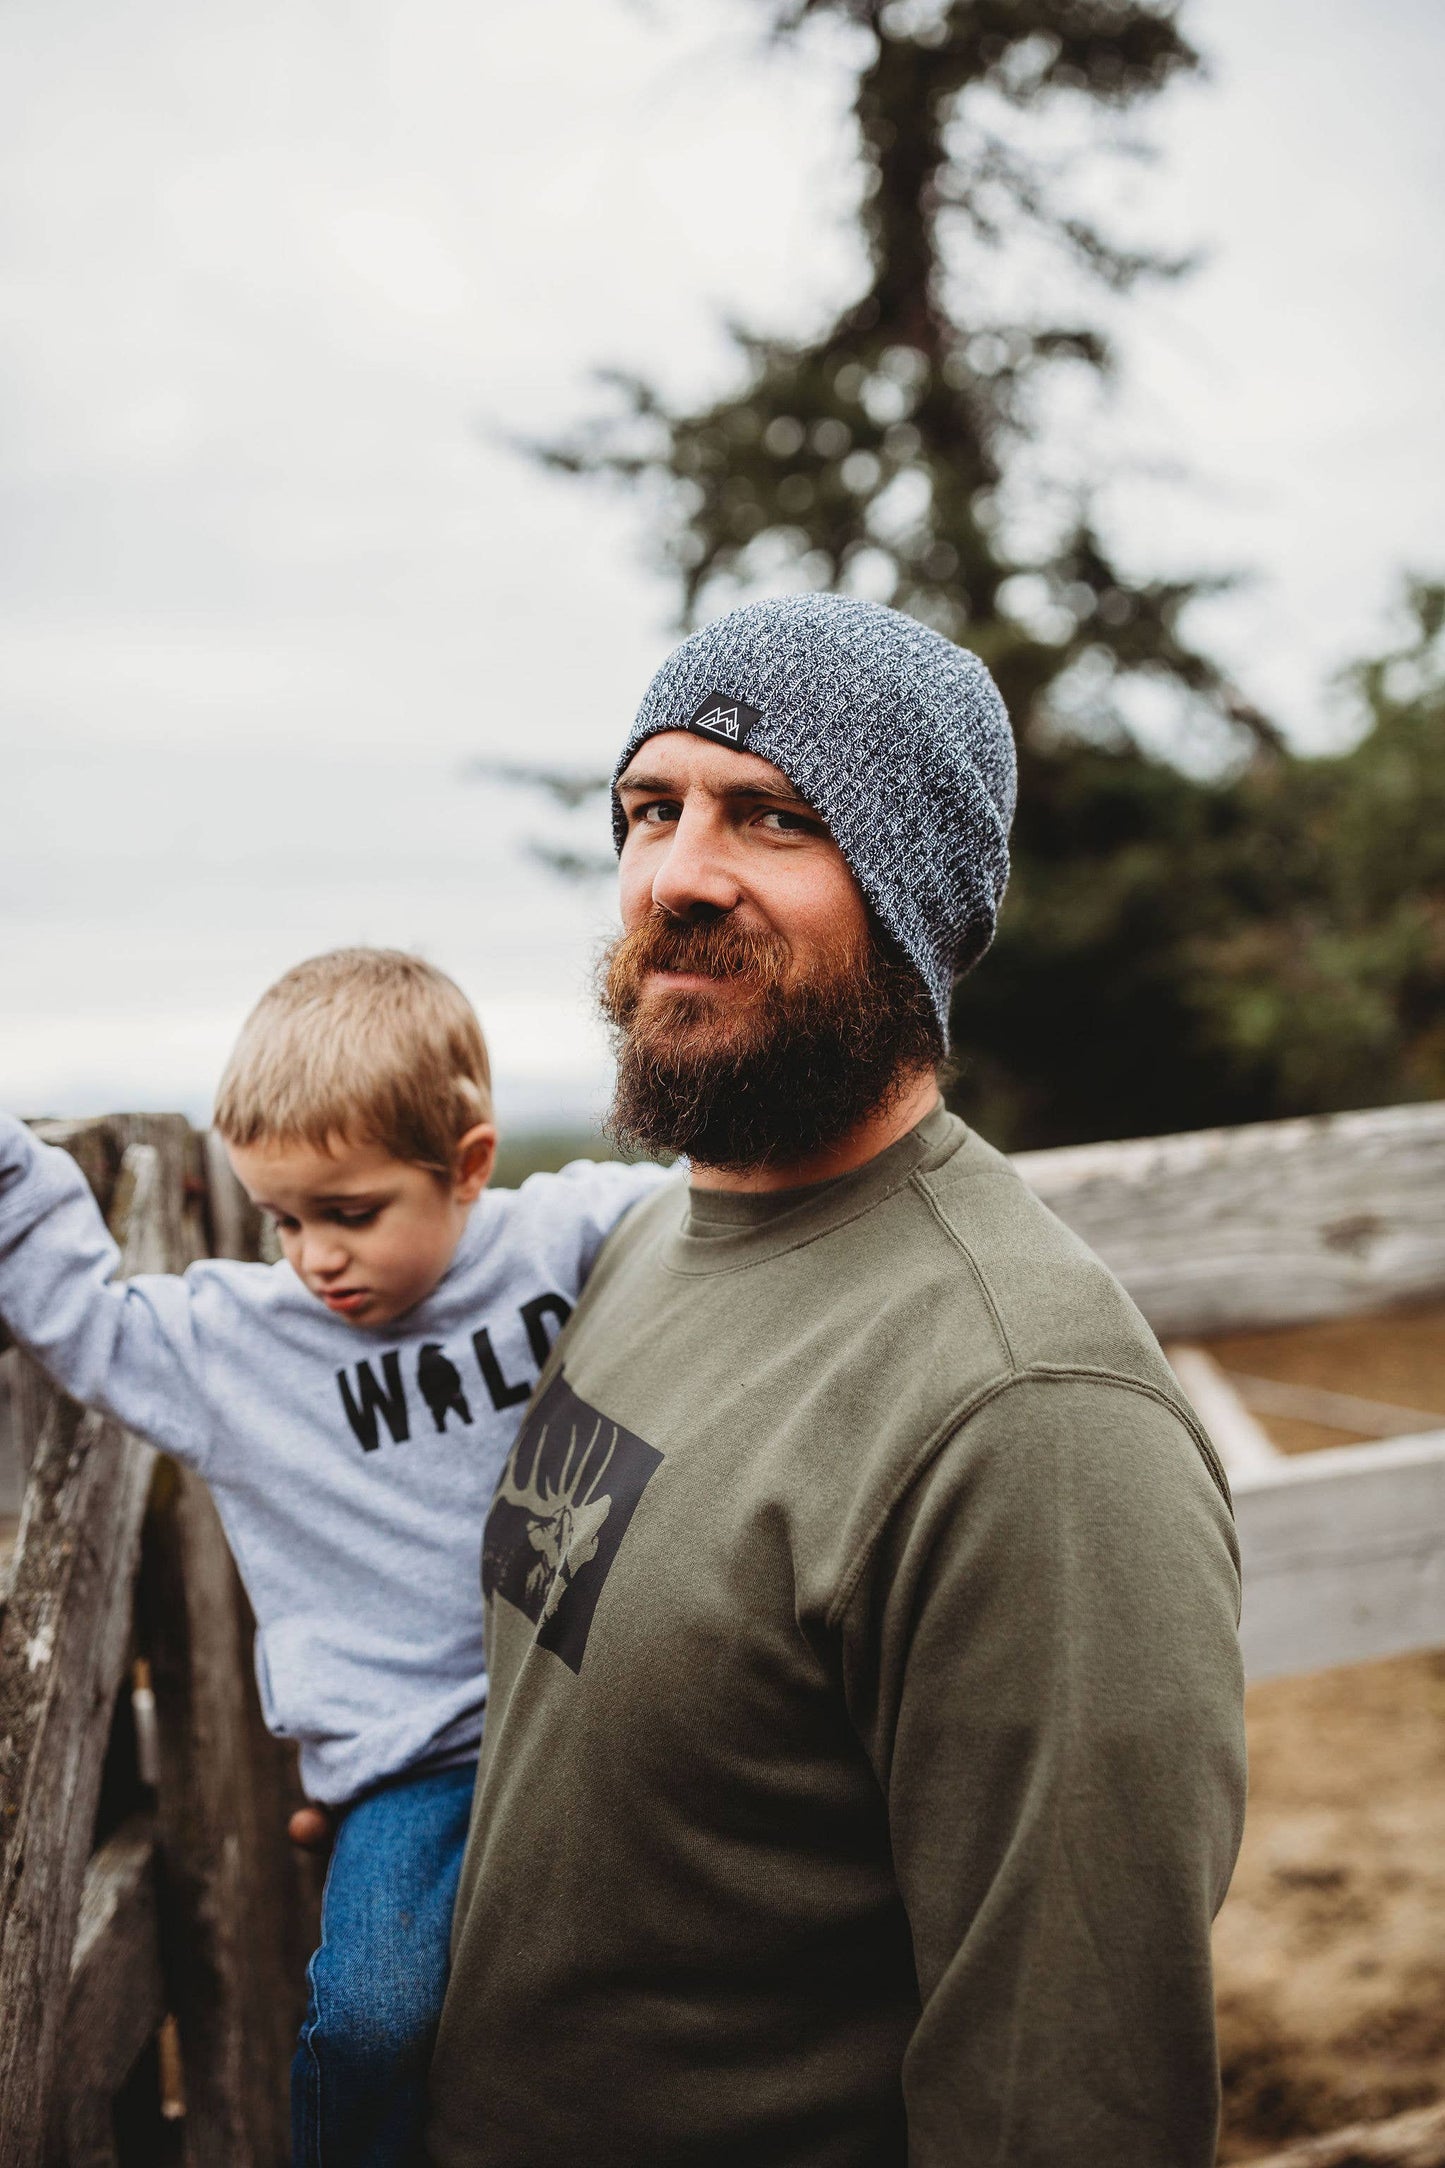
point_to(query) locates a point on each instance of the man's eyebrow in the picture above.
(663, 786)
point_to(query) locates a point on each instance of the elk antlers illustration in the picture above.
(564, 1519)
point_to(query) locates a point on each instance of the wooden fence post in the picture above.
(203, 1908)
(63, 1645)
(237, 1908)
(116, 1997)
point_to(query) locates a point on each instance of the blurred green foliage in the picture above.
(521, 1152)
(1253, 935)
(1176, 952)
(543, 1151)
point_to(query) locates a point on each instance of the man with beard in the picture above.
(864, 1763)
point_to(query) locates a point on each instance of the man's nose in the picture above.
(696, 878)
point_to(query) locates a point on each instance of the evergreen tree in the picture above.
(1326, 986)
(885, 449)
(1176, 949)
(1175, 953)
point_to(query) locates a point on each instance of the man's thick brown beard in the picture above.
(770, 1076)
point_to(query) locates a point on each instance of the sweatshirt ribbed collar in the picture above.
(728, 1230)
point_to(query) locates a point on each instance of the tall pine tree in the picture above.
(897, 452)
(884, 449)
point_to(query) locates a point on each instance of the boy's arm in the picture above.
(591, 1196)
(126, 1347)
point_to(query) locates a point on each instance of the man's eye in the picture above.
(790, 823)
(659, 813)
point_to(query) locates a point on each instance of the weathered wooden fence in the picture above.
(154, 1923)
(1292, 1223)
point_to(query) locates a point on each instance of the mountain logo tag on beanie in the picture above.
(719, 716)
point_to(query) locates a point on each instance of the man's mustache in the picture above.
(717, 948)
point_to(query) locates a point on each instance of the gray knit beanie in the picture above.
(899, 739)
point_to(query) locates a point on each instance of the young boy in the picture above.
(351, 1410)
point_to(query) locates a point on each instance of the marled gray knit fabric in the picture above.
(897, 737)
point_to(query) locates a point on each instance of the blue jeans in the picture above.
(358, 2081)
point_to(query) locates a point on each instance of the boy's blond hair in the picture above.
(361, 1044)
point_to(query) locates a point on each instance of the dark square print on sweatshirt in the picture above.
(562, 1508)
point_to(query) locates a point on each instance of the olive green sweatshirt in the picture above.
(865, 1762)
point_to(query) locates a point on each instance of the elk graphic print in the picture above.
(559, 1516)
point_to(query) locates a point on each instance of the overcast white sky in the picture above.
(272, 277)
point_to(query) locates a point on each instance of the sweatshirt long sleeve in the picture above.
(865, 1760)
(1030, 1652)
(130, 1347)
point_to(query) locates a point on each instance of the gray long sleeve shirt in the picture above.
(352, 1468)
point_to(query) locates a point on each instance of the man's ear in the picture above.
(475, 1154)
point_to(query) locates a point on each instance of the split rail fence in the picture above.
(1291, 1223)
(154, 1924)
(154, 1921)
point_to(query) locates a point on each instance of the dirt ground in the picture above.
(1330, 1952)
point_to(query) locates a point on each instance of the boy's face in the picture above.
(368, 1235)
